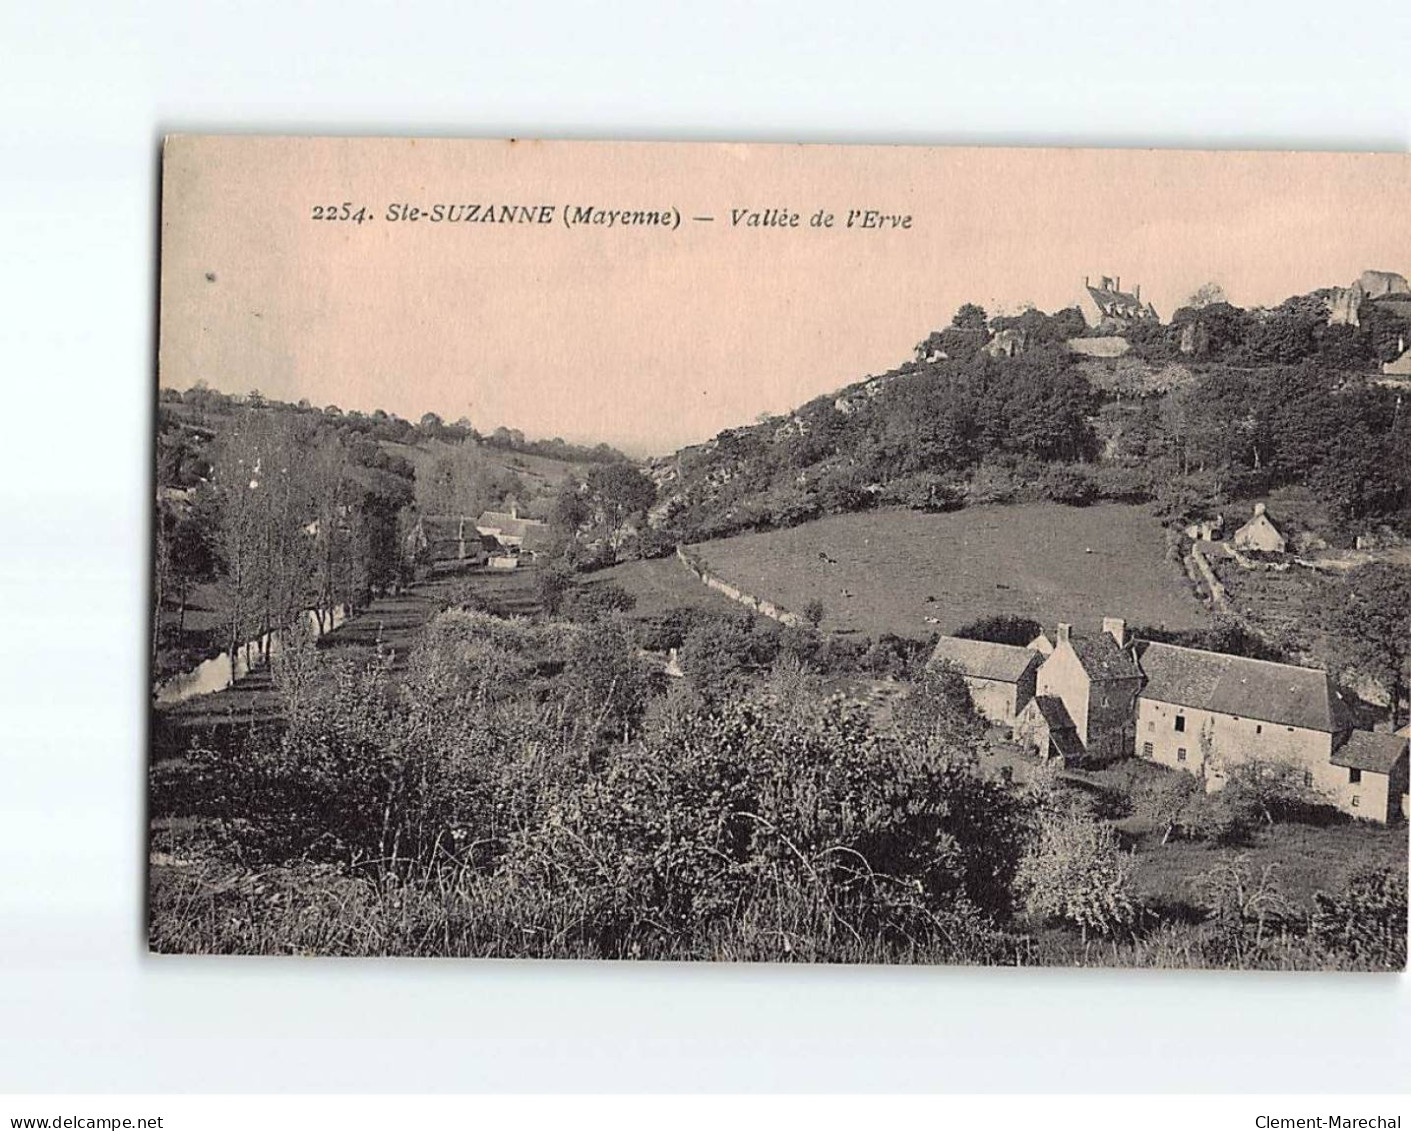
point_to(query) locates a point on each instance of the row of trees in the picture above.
(388, 427)
(284, 519)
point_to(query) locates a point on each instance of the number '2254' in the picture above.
(342, 211)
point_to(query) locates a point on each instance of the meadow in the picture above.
(912, 573)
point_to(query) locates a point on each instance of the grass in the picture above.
(888, 571)
(660, 585)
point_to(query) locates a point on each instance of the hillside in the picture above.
(540, 476)
(1218, 406)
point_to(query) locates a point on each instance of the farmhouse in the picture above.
(1108, 307)
(1259, 533)
(527, 535)
(1001, 677)
(1206, 712)
(448, 538)
(1094, 679)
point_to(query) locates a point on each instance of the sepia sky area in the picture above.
(651, 338)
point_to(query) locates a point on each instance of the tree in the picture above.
(1242, 905)
(619, 492)
(1075, 870)
(1001, 628)
(717, 654)
(1167, 801)
(552, 584)
(606, 685)
(939, 709)
(970, 316)
(1374, 619)
(1269, 790)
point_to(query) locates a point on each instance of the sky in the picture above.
(649, 338)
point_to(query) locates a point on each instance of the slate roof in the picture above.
(512, 526)
(1102, 657)
(980, 659)
(1364, 750)
(1054, 713)
(1234, 685)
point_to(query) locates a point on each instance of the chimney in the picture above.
(1137, 292)
(1065, 632)
(1117, 286)
(1258, 509)
(514, 508)
(1116, 628)
(1085, 280)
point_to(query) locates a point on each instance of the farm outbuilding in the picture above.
(1001, 677)
(1260, 533)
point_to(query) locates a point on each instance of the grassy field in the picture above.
(662, 584)
(887, 571)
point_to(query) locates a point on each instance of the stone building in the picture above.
(527, 535)
(1207, 712)
(1088, 685)
(1001, 677)
(1260, 533)
(1108, 307)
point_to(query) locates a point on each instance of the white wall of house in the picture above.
(1209, 744)
(1063, 677)
(994, 699)
(1164, 730)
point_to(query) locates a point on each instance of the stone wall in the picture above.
(749, 600)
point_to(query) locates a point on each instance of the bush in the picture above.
(732, 809)
(1365, 921)
(1002, 628)
(598, 601)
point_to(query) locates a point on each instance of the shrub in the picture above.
(1075, 870)
(1002, 628)
(1365, 921)
(729, 809)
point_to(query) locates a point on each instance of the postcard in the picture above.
(782, 553)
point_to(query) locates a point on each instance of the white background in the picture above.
(85, 93)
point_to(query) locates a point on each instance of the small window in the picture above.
(1151, 724)
(1180, 722)
(1308, 778)
(1181, 754)
(1356, 801)
(1147, 750)
(1258, 728)
(1354, 776)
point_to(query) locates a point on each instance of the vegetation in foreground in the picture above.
(539, 788)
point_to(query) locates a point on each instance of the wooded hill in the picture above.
(1254, 401)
